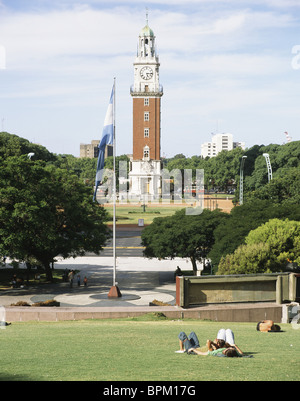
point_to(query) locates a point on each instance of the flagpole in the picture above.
(114, 292)
(114, 187)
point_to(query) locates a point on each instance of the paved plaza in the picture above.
(140, 281)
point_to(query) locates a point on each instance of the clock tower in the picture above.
(146, 92)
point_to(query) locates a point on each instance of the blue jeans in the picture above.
(191, 342)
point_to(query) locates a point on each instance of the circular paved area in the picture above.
(140, 281)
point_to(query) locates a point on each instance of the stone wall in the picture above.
(199, 290)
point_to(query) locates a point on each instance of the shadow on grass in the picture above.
(8, 377)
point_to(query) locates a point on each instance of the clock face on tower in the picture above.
(146, 73)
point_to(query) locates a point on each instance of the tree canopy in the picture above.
(45, 212)
(13, 145)
(283, 188)
(46, 207)
(268, 248)
(182, 235)
(223, 170)
(231, 233)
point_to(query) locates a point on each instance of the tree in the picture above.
(85, 167)
(268, 248)
(222, 170)
(283, 238)
(246, 259)
(283, 188)
(282, 157)
(231, 233)
(13, 145)
(182, 235)
(45, 212)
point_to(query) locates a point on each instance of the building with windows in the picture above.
(146, 92)
(91, 150)
(218, 143)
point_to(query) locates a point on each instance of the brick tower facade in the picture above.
(145, 174)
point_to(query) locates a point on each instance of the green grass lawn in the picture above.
(131, 214)
(142, 349)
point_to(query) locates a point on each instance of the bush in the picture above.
(246, 259)
(268, 249)
(20, 303)
(50, 302)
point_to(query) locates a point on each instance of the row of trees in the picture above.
(223, 171)
(256, 237)
(262, 235)
(45, 209)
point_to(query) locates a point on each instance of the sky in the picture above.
(226, 66)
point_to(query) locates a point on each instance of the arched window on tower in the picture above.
(146, 153)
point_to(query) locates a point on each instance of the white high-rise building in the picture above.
(218, 143)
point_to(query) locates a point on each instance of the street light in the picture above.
(30, 155)
(242, 178)
(269, 167)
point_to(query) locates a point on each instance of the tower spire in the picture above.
(147, 15)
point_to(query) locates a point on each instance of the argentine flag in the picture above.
(107, 139)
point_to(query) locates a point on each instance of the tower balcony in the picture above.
(158, 91)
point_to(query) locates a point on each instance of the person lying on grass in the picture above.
(267, 326)
(231, 351)
(225, 339)
(190, 344)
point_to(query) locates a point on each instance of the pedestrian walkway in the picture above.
(140, 281)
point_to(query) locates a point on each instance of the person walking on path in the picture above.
(71, 278)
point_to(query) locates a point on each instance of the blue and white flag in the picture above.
(107, 139)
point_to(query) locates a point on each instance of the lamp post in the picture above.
(242, 178)
(30, 155)
(269, 167)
